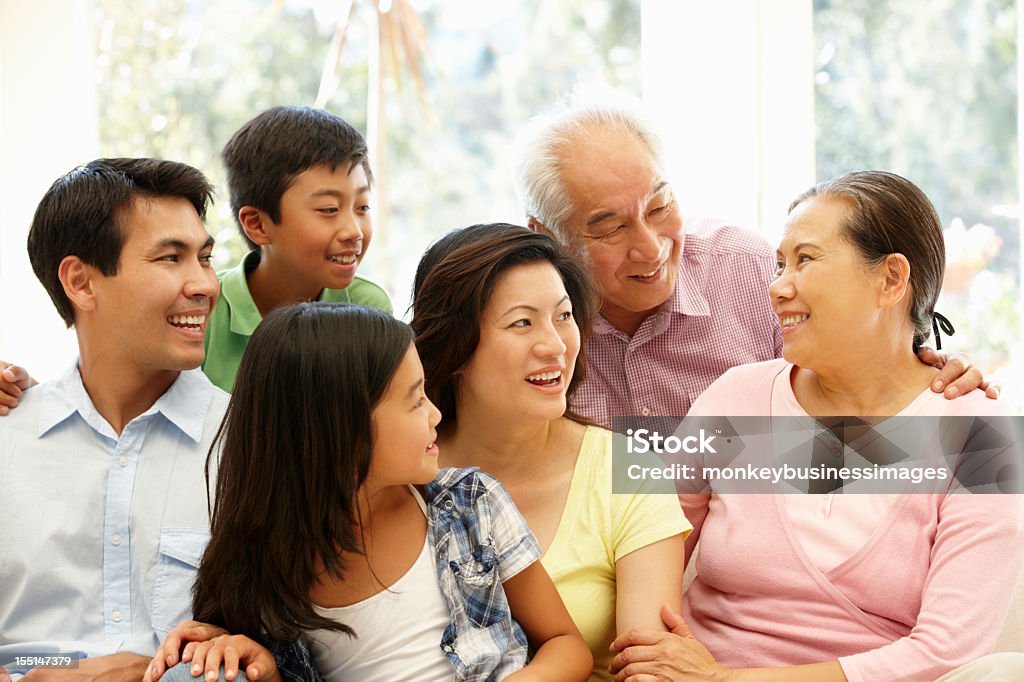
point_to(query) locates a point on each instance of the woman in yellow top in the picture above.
(498, 313)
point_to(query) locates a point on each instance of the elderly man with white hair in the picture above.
(683, 299)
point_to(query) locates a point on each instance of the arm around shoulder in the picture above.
(13, 380)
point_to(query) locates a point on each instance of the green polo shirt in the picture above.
(235, 317)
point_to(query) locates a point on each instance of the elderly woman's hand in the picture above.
(649, 656)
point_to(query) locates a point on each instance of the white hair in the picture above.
(539, 154)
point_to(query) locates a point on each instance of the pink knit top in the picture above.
(928, 590)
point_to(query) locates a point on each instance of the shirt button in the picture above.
(123, 461)
(117, 616)
(115, 539)
(448, 649)
(448, 504)
(645, 412)
(490, 581)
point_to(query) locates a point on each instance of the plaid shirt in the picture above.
(719, 316)
(479, 540)
(294, 661)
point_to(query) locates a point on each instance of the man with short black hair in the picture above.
(105, 501)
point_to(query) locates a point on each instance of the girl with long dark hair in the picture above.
(333, 524)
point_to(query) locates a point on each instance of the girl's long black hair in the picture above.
(294, 448)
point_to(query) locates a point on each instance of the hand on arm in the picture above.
(235, 652)
(956, 376)
(113, 668)
(188, 633)
(13, 380)
(650, 656)
(560, 653)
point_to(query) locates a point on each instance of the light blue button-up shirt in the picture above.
(99, 534)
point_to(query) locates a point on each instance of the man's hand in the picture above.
(190, 633)
(4, 676)
(650, 656)
(113, 668)
(13, 380)
(956, 375)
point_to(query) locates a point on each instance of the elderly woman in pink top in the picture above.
(830, 587)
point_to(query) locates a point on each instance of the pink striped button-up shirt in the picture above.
(719, 316)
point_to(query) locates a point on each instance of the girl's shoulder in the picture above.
(475, 502)
(453, 477)
(462, 486)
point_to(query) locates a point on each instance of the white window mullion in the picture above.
(48, 124)
(731, 86)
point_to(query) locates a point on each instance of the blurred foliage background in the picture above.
(438, 86)
(925, 88)
(928, 89)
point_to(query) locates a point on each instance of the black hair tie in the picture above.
(939, 321)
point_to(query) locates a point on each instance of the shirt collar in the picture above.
(245, 316)
(687, 298)
(234, 287)
(62, 398)
(184, 404)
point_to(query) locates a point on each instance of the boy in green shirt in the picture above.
(299, 181)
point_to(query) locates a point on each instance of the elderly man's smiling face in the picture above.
(626, 217)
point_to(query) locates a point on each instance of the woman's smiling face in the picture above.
(823, 293)
(528, 345)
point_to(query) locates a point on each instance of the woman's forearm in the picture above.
(814, 672)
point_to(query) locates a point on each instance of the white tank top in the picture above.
(398, 630)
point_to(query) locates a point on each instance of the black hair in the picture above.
(295, 446)
(889, 214)
(263, 158)
(82, 212)
(454, 282)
